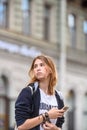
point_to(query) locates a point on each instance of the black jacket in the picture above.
(25, 110)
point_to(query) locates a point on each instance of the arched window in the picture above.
(72, 29)
(26, 13)
(3, 85)
(3, 103)
(47, 11)
(85, 32)
(3, 13)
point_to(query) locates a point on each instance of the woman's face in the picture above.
(41, 69)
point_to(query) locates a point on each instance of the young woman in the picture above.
(41, 110)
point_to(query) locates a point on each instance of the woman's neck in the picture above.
(44, 86)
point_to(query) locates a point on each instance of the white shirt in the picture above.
(46, 103)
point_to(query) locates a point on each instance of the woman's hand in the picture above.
(50, 126)
(55, 113)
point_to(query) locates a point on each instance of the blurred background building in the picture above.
(57, 28)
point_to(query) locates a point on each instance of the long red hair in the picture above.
(53, 76)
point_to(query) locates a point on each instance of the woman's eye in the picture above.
(41, 64)
(38, 65)
(35, 66)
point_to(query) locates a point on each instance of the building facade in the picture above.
(57, 28)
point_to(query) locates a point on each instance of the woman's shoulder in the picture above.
(26, 89)
(24, 96)
(24, 92)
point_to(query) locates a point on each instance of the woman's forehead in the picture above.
(39, 61)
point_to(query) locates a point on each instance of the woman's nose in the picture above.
(38, 67)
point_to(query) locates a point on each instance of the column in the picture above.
(62, 64)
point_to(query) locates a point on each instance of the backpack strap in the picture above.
(33, 87)
(60, 99)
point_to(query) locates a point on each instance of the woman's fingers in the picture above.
(55, 113)
(50, 126)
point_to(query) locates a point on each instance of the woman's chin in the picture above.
(40, 78)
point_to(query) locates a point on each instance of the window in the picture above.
(26, 11)
(4, 104)
(72, 29)
(85, 32)
(46, 21)
(3, 84)
(3, 13)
